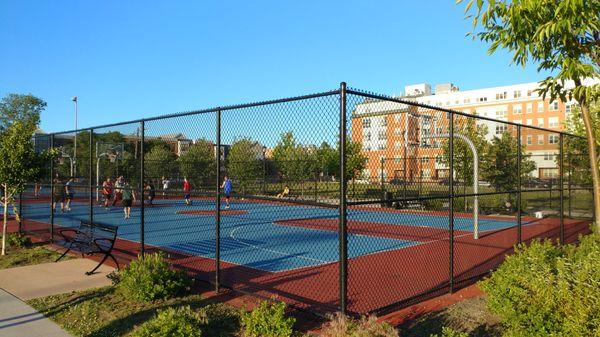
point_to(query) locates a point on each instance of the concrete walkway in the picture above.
(53, 278)
(17, 319)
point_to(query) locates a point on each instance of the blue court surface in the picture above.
(254, 239)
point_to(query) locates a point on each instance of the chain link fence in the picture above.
(342, 200)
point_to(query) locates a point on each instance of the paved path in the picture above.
(53, 278)
(17, 319)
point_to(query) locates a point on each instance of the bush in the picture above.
(449, 332)
(267, 320)
(171, 322)
(342, 326)
(15, 240)
(545, 290)
(151, 279)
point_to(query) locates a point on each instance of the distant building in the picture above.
(397, 138)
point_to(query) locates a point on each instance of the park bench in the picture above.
(90, 238)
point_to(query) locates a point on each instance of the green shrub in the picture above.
(547, 290)
(267, 320)
(171, 322)
(449, 332)
(151, 279)
(342, 326)
(220, 320)
(15, 240)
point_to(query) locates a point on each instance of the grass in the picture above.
(107, 312)
(35, 254)
(470, 316)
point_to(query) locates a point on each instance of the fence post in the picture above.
(560, 191)
(342, 230)
(21, 213)
(451, 203)
(91, 175)
(519, 223)
(52, 191)
(218, 208)
(381, 178)
(569, 181)
(142, 207)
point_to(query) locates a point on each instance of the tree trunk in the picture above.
(4, 224)
(589, 131)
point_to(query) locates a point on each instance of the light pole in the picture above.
(74, 99)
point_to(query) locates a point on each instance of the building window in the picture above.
(397, 160)
(529, 121)
(553, 122)
(381, 146)
(517, 94)
(553, 106)
(529, 92)
(467, 100)
(397, 117)
(501, 128)
(529, 108)
(501, 95)
(518, 121)
(382, 135)
(549, 173)
(439, 160)
(482, 99)
(540, 139)
(529, 139)
(540, 107)
(517, 109)
(553, 139)
(366, 123)
(501, 113)
(424, 160)
(540, 122)
(383, 121)
(367, 137)
(366, 147)
(397, 145)
(398, 132)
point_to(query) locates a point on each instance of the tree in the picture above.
(244, 163)
(329, 159)
(18, 107)
(296, 162)
(198, 164)
(576, 164)
(560, 36)
(500, 162)
(160, 162)
(19, 163)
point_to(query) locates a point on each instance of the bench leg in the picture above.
(63, 254)
(113, 258)
(98, 266)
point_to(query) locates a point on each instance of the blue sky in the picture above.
(132, 59)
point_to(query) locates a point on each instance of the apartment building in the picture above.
(404, 142)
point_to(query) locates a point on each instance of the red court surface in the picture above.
(381, 282)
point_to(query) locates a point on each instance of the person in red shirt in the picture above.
(107, 192)
(186, 191)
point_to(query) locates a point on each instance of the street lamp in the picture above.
(74, 99)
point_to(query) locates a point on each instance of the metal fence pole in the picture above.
(560, 191)
(451, 203)
(569, 181)
(342, 231)
(52, 187)
(142, 206)
(21, 213)
(91, 175)
(381, 178)
(519, 223)
(218, 208)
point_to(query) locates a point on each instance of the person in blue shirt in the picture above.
(227, 187)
